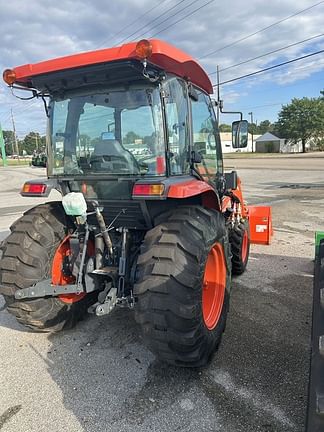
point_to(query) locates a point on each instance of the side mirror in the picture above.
(195, 157)
(240, 134)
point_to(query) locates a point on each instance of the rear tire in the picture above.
(240, 247)
(27, 259)
(169, 288)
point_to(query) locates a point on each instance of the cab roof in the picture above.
(164, 56)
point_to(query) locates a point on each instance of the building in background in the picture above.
(269, 143)
(226, 139)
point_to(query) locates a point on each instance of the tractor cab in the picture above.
(140, 111)
(139, 130)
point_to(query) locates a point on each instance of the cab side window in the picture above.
(206, 139)
(177, 115)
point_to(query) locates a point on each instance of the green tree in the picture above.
(43, 140)
(31, 142)
(225, 128)
(130, 137)
(301, 120)
(265, 126)
(149, 140)
(252, 128)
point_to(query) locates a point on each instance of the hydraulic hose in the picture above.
(103, 231)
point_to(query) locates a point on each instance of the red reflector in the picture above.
(160, 165)
(84, 188)
(148, 189)
(34, 188)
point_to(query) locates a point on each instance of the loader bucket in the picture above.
(260, 220)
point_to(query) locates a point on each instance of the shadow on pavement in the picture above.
(257, 381)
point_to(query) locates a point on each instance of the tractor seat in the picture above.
(108, 148)
(110, 155)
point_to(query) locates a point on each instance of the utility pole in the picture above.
(251, 114)
(15, 136)
(36, 137)
(3, 149)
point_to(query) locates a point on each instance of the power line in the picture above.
(254, 92)
(269, 68)
(133, 22)
(24, 108)
(292, 72)
(181, 19)
(268, 53)
(16, 102)
(167, 18)
(155, 19)
(297, 69)
(261, 30)
(261, 106)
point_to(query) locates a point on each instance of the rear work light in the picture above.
(148, 190)
(34, 189)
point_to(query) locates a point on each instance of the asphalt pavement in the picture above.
(100, 376)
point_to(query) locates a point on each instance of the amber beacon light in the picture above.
(144, 49)
(9, 76)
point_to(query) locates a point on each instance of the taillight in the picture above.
(34, 189)
(148, 189)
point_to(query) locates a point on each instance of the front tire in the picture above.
(27, 258)
(240, 247)
(183, 321)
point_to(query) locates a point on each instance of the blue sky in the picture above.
(265, 99)
(42, 29)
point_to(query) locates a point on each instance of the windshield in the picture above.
(114, 132)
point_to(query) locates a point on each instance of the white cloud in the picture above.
(232, 96)
(42, 29)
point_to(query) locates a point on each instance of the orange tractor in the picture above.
(148, 219)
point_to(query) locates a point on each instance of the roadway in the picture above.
(100, 377)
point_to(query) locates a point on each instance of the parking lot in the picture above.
(100, 377)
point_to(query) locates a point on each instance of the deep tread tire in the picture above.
(27, 259)
(236, 239)
(170, 271)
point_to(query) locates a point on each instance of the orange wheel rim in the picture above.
(245, 243)
(214, 284)
(58, 276)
